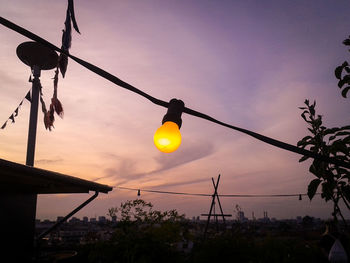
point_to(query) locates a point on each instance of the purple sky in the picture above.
(248, 63)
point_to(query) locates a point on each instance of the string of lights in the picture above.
(139, 190)
(162, 103)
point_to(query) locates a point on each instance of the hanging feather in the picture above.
(63, 63)
(48, 121)
(67, 32)
(66, 43)
(51, 113)
(55, 80)
(43, 106)
(71, 11)
(57, 106)
(49, 118)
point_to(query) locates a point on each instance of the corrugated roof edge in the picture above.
(61, 178)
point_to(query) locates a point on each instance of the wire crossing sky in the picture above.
(221, 195)
(159, 102)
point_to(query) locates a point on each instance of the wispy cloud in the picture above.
(49, 161)
(126, 169)
(183, 183)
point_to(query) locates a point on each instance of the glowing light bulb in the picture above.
(167, 138)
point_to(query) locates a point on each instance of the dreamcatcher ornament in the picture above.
(62, 63)
(56, 105)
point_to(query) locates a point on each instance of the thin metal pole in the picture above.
(211, 206)
(67, 216)
(209, 215)
(33, 117)
(217, 196)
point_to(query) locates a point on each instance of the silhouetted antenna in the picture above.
(212, 208)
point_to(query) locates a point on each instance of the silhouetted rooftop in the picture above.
(19, 178)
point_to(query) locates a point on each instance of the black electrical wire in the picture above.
(162, 192)
(165, 104)
(221, 195)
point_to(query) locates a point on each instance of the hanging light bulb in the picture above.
(167, 138)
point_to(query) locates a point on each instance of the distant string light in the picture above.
(162, 103)
(139, 191)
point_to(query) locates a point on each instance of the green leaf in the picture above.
(311, 130)
(330, 131)
(339, 146)
(342, 133)
(303, 116)
(312, 110)
(337, 72)
(305, 141)
(332, 137)
(327, 191)
(304, 158)
(346, 42)
(345, 91)
(346, 139)
(346, 192)
(314, 171)
(345, 80)
(312, 188)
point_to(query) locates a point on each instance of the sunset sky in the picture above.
(249, 63)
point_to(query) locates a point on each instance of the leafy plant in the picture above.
(142, 211)
(331, 142)
(342, 73)
(143, 234)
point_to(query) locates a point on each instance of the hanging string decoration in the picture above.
(56, 105)
(15, 112)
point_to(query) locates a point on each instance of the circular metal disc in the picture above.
(33, 53)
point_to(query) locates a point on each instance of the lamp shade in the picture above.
(167, 138)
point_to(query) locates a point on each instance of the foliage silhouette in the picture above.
(329, 142)
(333, 142)
(342, 73)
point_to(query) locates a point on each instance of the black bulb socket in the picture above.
(174, 112)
